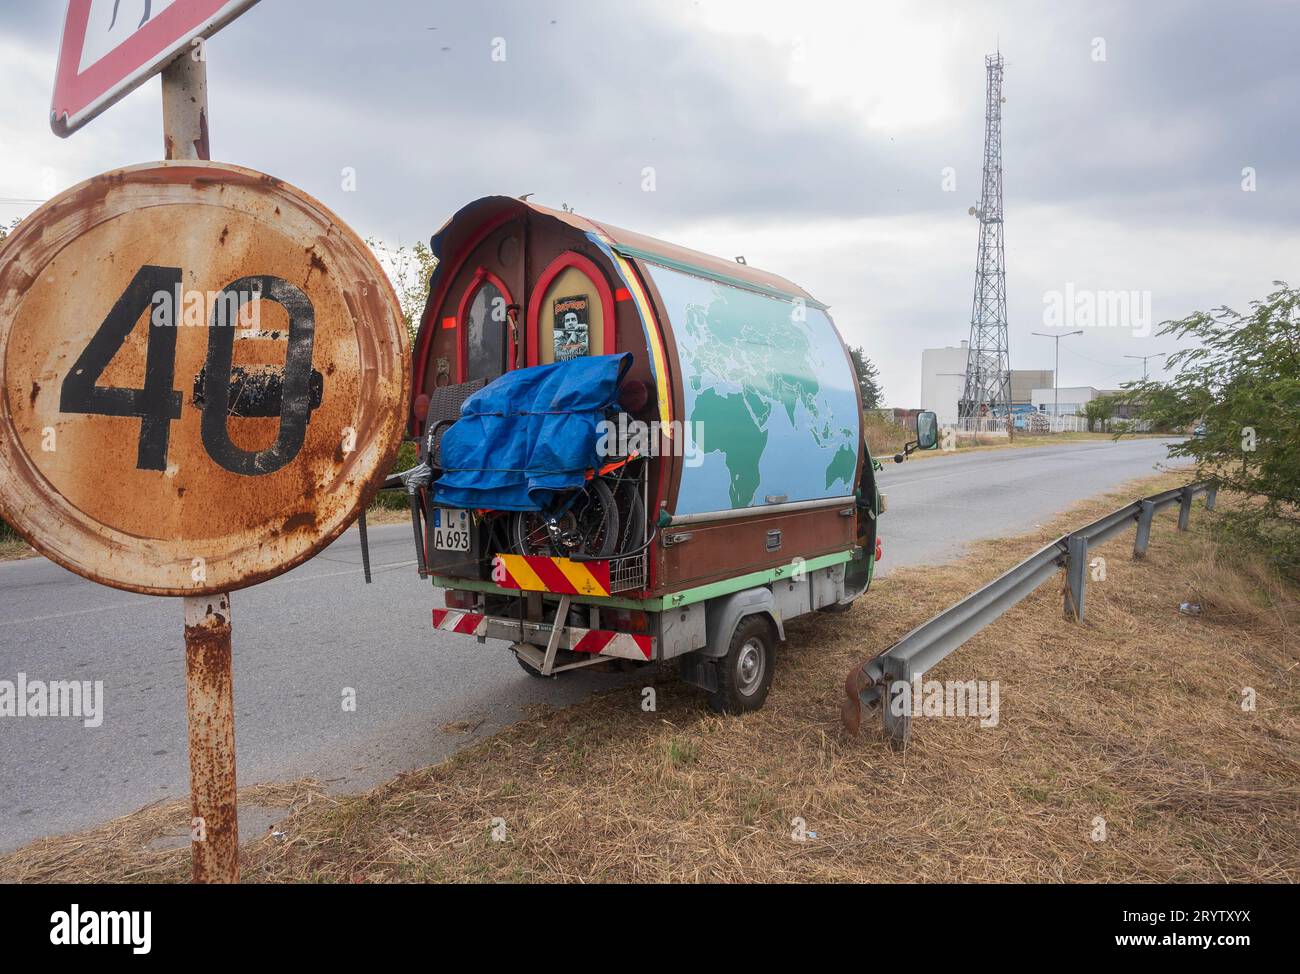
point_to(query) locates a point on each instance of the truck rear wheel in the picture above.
(745, 673)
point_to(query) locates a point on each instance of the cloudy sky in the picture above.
(1149, 147)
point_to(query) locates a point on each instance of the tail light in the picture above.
(880, 549)
(456, 599)
(628, 620)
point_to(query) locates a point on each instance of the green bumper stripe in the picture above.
(675, 599)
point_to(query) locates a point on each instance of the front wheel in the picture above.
(745, 673)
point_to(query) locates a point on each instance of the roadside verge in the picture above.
(1121, 753)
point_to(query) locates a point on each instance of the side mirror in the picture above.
(927, 435)
(927, 430)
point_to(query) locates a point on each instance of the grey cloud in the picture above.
(1153, 139)
(590, 93)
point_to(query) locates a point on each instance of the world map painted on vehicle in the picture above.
(768, 395)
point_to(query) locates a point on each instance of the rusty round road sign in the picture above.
(204, 378)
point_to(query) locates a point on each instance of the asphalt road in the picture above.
(301, 639)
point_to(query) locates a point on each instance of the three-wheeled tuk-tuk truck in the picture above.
(631, 451)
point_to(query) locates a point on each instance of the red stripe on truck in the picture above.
(593, 641)
(598, 640)
(469, 623)
(549, 573)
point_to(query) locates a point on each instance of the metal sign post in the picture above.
(209, 680)
(185, 107)
(210, 711)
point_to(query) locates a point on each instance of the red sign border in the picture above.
(80, 96)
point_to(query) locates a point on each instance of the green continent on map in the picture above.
(747, 357)
(766, 355)
(729, 421)
(841, 466)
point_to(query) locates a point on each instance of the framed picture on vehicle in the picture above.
(572, 335)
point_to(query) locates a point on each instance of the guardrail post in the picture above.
(1076, 575)
(1144, 529)
(898, 726)
(1211, 493)
(1185, 510)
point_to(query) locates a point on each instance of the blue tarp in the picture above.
(528, 435)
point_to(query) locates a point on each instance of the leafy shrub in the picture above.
(1239, 392)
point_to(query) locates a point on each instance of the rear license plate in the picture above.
(450, 529)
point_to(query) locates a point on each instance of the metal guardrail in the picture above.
(871, 683)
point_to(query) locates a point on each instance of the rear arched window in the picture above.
(486, 326)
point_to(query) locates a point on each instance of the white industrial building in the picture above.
(943, 380)
(1071, 399)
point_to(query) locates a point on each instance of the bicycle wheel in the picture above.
(631, 516)
(588, 528)
(529, 534)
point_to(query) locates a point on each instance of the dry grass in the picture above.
(12, 545)
(126, 849)
(883, 437)
(1134, 717)
(11, 548)
(966, 442)
(377, 514)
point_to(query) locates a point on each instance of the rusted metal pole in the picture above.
(185, 106)
(209, 694)
(210, 705)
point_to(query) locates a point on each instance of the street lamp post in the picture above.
(1144, 362)
(1056, 371)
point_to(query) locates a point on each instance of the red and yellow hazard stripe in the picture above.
(540, 573)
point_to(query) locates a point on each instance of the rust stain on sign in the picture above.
(130, 293)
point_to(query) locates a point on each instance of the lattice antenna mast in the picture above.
(988, 364)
